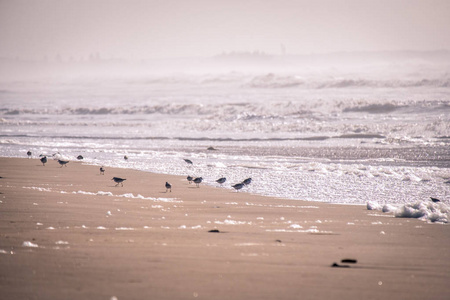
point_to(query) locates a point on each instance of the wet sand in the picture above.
(93, 240)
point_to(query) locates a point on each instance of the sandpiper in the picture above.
(168, 187)
(44, 160)
(198, 180)
(118, 180)
(247, 181)
(102, 170)
(435, 200)
(125, 157)
(63, 162)
(221, 180)
(238, 186)
(189, 162)
(29, 154)
(190, 178)
(80, 157)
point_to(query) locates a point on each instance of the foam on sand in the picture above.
(424, 210)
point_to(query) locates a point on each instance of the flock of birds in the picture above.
(221, 180)
(118, 180)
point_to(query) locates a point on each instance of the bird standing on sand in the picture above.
(435, 200)
(198, 180)
(80, 157)
(238, 186)
(102, 170)
(190, 178)
(63, 162)
(29, 154)
(168, 187)
(118, 180)
(188, 161)
(247, 181)
(43, 160)
(221, 180)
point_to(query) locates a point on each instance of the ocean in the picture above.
(317, 134)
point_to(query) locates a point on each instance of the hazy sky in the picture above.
(177, 28)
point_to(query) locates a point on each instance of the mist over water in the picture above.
(339, 128)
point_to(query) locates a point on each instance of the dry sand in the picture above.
(92, 246)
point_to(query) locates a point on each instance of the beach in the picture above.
(70, 233)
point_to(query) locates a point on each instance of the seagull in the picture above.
(189, 178)
(80, 157)
(238, 186)
(44, 160)
(29, 154)
(102, 171)
(198, 180)
(63, 162)
(435, 200)
(168, 187)
(221, 180)
(118, 180)
(189, 162)
(247, 181)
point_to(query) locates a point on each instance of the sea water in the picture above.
(348, 138)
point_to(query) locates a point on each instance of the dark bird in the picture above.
(168, 187)
(102, 171)
(29, 154)
(435, 200)
(247, 181)
(125, 157)
(63, 162)
(189, 162)
(80, 157)
(44, 160)
(198, 180)
(238, 186)
(190, 178)
(118, 180)
(221, 180)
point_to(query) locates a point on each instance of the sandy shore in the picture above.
(69, 233)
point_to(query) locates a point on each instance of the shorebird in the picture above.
(80, 157)
(247, 181)
(44, 160)
(435, 200)
(118, 180)
(168, 187)
(198, 180)
(63, 162)
(125, 157)
(190, 178)
(189, 162)
(221, 180)
(102, 170)
(29, 154)
(238, 186)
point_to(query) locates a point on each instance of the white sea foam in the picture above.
(423, 210)
(40, 189)
(232, 222)
(129, 195)
(29, 244)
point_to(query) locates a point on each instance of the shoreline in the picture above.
(97, 241)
